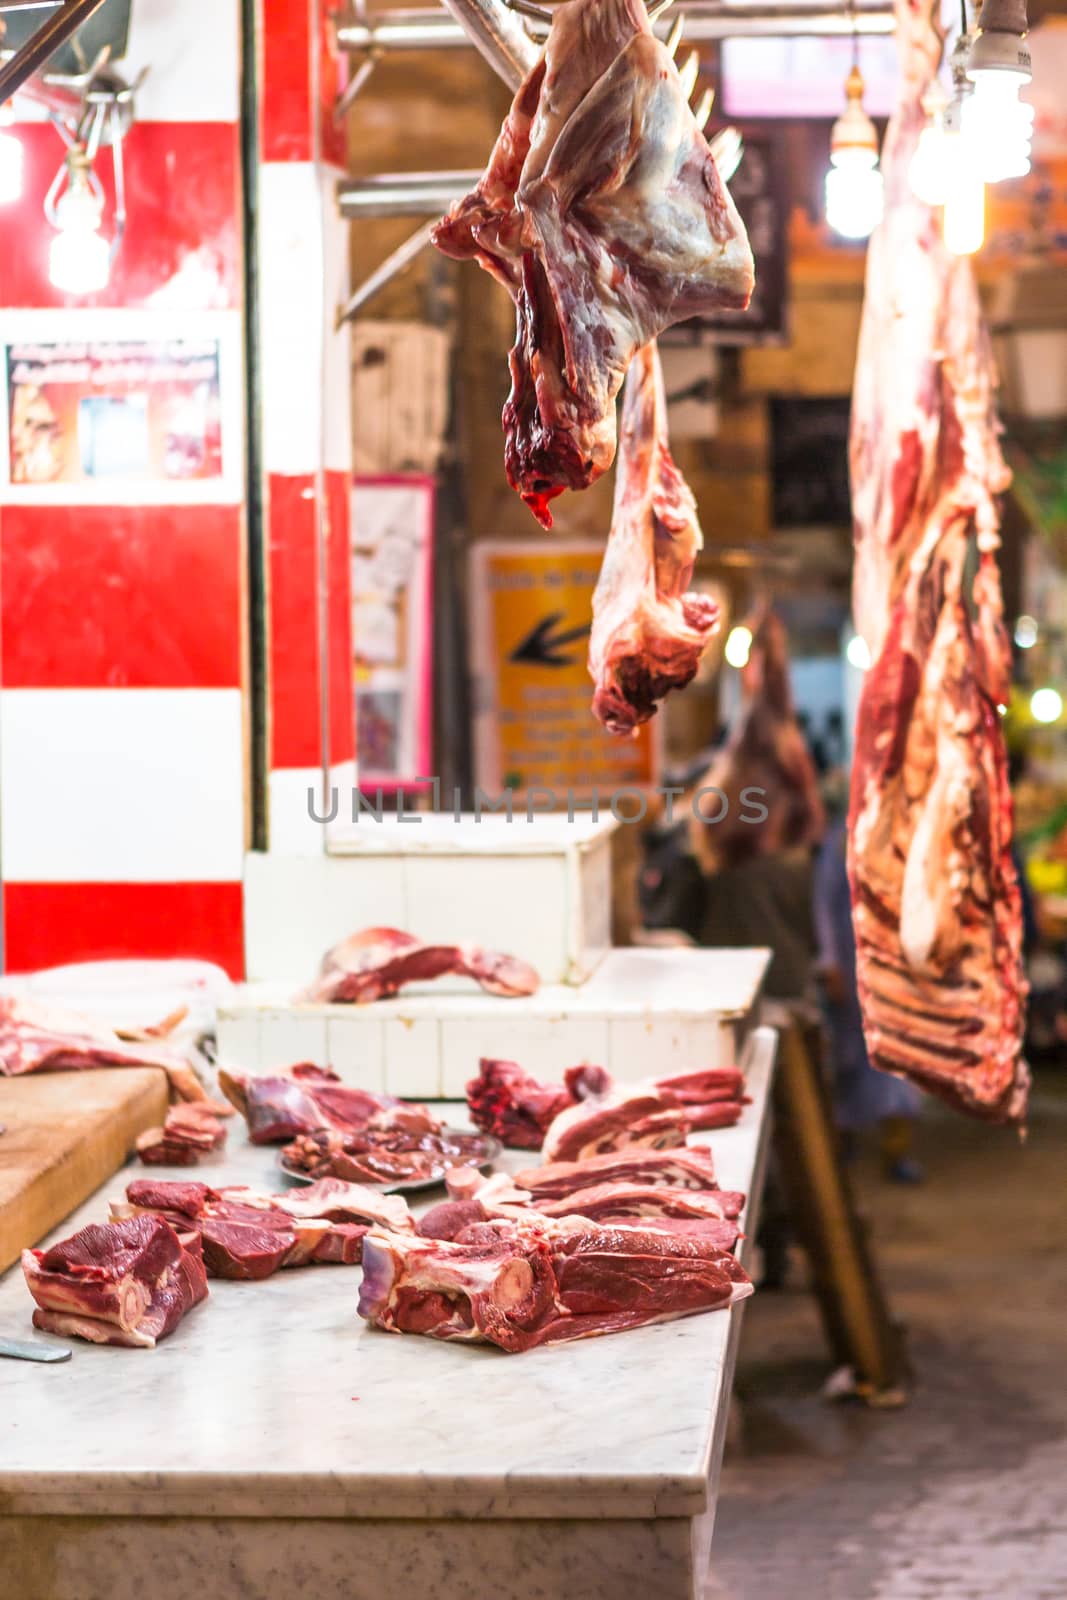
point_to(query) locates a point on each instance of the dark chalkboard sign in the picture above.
(809, 462)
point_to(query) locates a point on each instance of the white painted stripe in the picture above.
(293, 831)
(292, 309)
(337, 378)
(121, 785)
(80, 323)
(193, 54)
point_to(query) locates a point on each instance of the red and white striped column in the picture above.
(122, 710)
(306, 442)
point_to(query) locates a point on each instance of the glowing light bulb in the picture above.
(738, 645)
(964, 219)
(930, 166)
(1046, 705)
(999, 126)
(854, 189)
(1025, 632)
(857, 652)
(79, 260)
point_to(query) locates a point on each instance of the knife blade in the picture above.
(27, 1350)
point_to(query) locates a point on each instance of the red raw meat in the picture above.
(35, 1039)
(519, 1285)
(375, 964)
(612, 1121)
(306, 1098)
(505, 1101)
(617, 1202)
(382, 1157)
(936, 902)
(678, 1169)
(249, 1235)
(190, 1131)
(126, 1283)
(603, 214)
(649, 630)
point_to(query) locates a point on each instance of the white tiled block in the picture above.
(656, 1047)
(543, 1046)
(296, 907)
(517, 904)
(355, 1049)
(286, 1037)
(591, 899)
(238, 1041)
(413, 1056)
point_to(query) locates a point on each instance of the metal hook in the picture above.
(526, 8)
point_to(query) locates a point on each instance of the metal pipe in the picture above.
(432, 30)
(28, 5)
(403, 194)
(498, 35)
(355, 85)
(31, 56)
(394, 263)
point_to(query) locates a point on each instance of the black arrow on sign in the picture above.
(543, 647)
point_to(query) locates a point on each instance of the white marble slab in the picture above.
(642, 1011)
(274, 1400)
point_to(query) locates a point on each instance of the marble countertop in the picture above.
(275, 1399)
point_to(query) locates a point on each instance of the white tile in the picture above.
(122, 785)
(192, 52)
(287, 1037)
(355, 1048)
(337, 373)
(544, 1046)
(292, 315)
(238, 1040)
(413, 1056)
(655, 1047)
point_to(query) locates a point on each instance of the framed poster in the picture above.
(392, 628)
(534, 725)
(123, 408)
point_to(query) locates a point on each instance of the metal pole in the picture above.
(44, 43)
(498, 35)
(403, 194)
(395, 262)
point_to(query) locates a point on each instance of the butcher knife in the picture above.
(26, 1350)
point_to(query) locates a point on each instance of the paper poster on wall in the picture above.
(534, 726)
(114, 412)
(392, 627)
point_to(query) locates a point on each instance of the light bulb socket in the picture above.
(1000, 43)
(854, 132)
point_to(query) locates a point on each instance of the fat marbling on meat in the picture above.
(603, 214)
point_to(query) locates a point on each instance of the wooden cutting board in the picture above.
(66, 1134)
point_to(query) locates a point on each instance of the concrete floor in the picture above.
(962, 1495)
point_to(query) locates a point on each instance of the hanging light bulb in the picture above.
(998, 124)
(928, 173)
(10, 159)
(79, 260)
(854, 195)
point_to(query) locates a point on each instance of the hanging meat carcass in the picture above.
(935, 898)
(649, 631)
(603, 214)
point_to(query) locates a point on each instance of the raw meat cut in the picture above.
(384, 1157)
(126, 1283)
(765, 762)
(936, 904)
(515, 1108)
(375, 964)
(610, 1121)
(506, 1102)
(307, 1098)
(519, 1285)
(617, 1202)
(649, 630)
(36, 1039)
(678, 1169)
(603, 214)
(190, 1131)
(249, 1235)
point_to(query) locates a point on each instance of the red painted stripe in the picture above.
(182, 246)
(47, 924)
(285, 131)
(333, 75)
(121, 597)
(296, 733)
(342, 708)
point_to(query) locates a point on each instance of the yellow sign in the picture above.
(534, 725)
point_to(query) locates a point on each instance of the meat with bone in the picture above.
(307, 1098)
(125, 1283)
(517, 1109)
(676, 1169)
(649, 630)
(617, 1202)
(38, 1039)
(637, 1116)
(377, 963)
(523, 1285)
(935, 899)
(603, 214)
(250, 1235)
(190, 1131)
(381, 1156)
